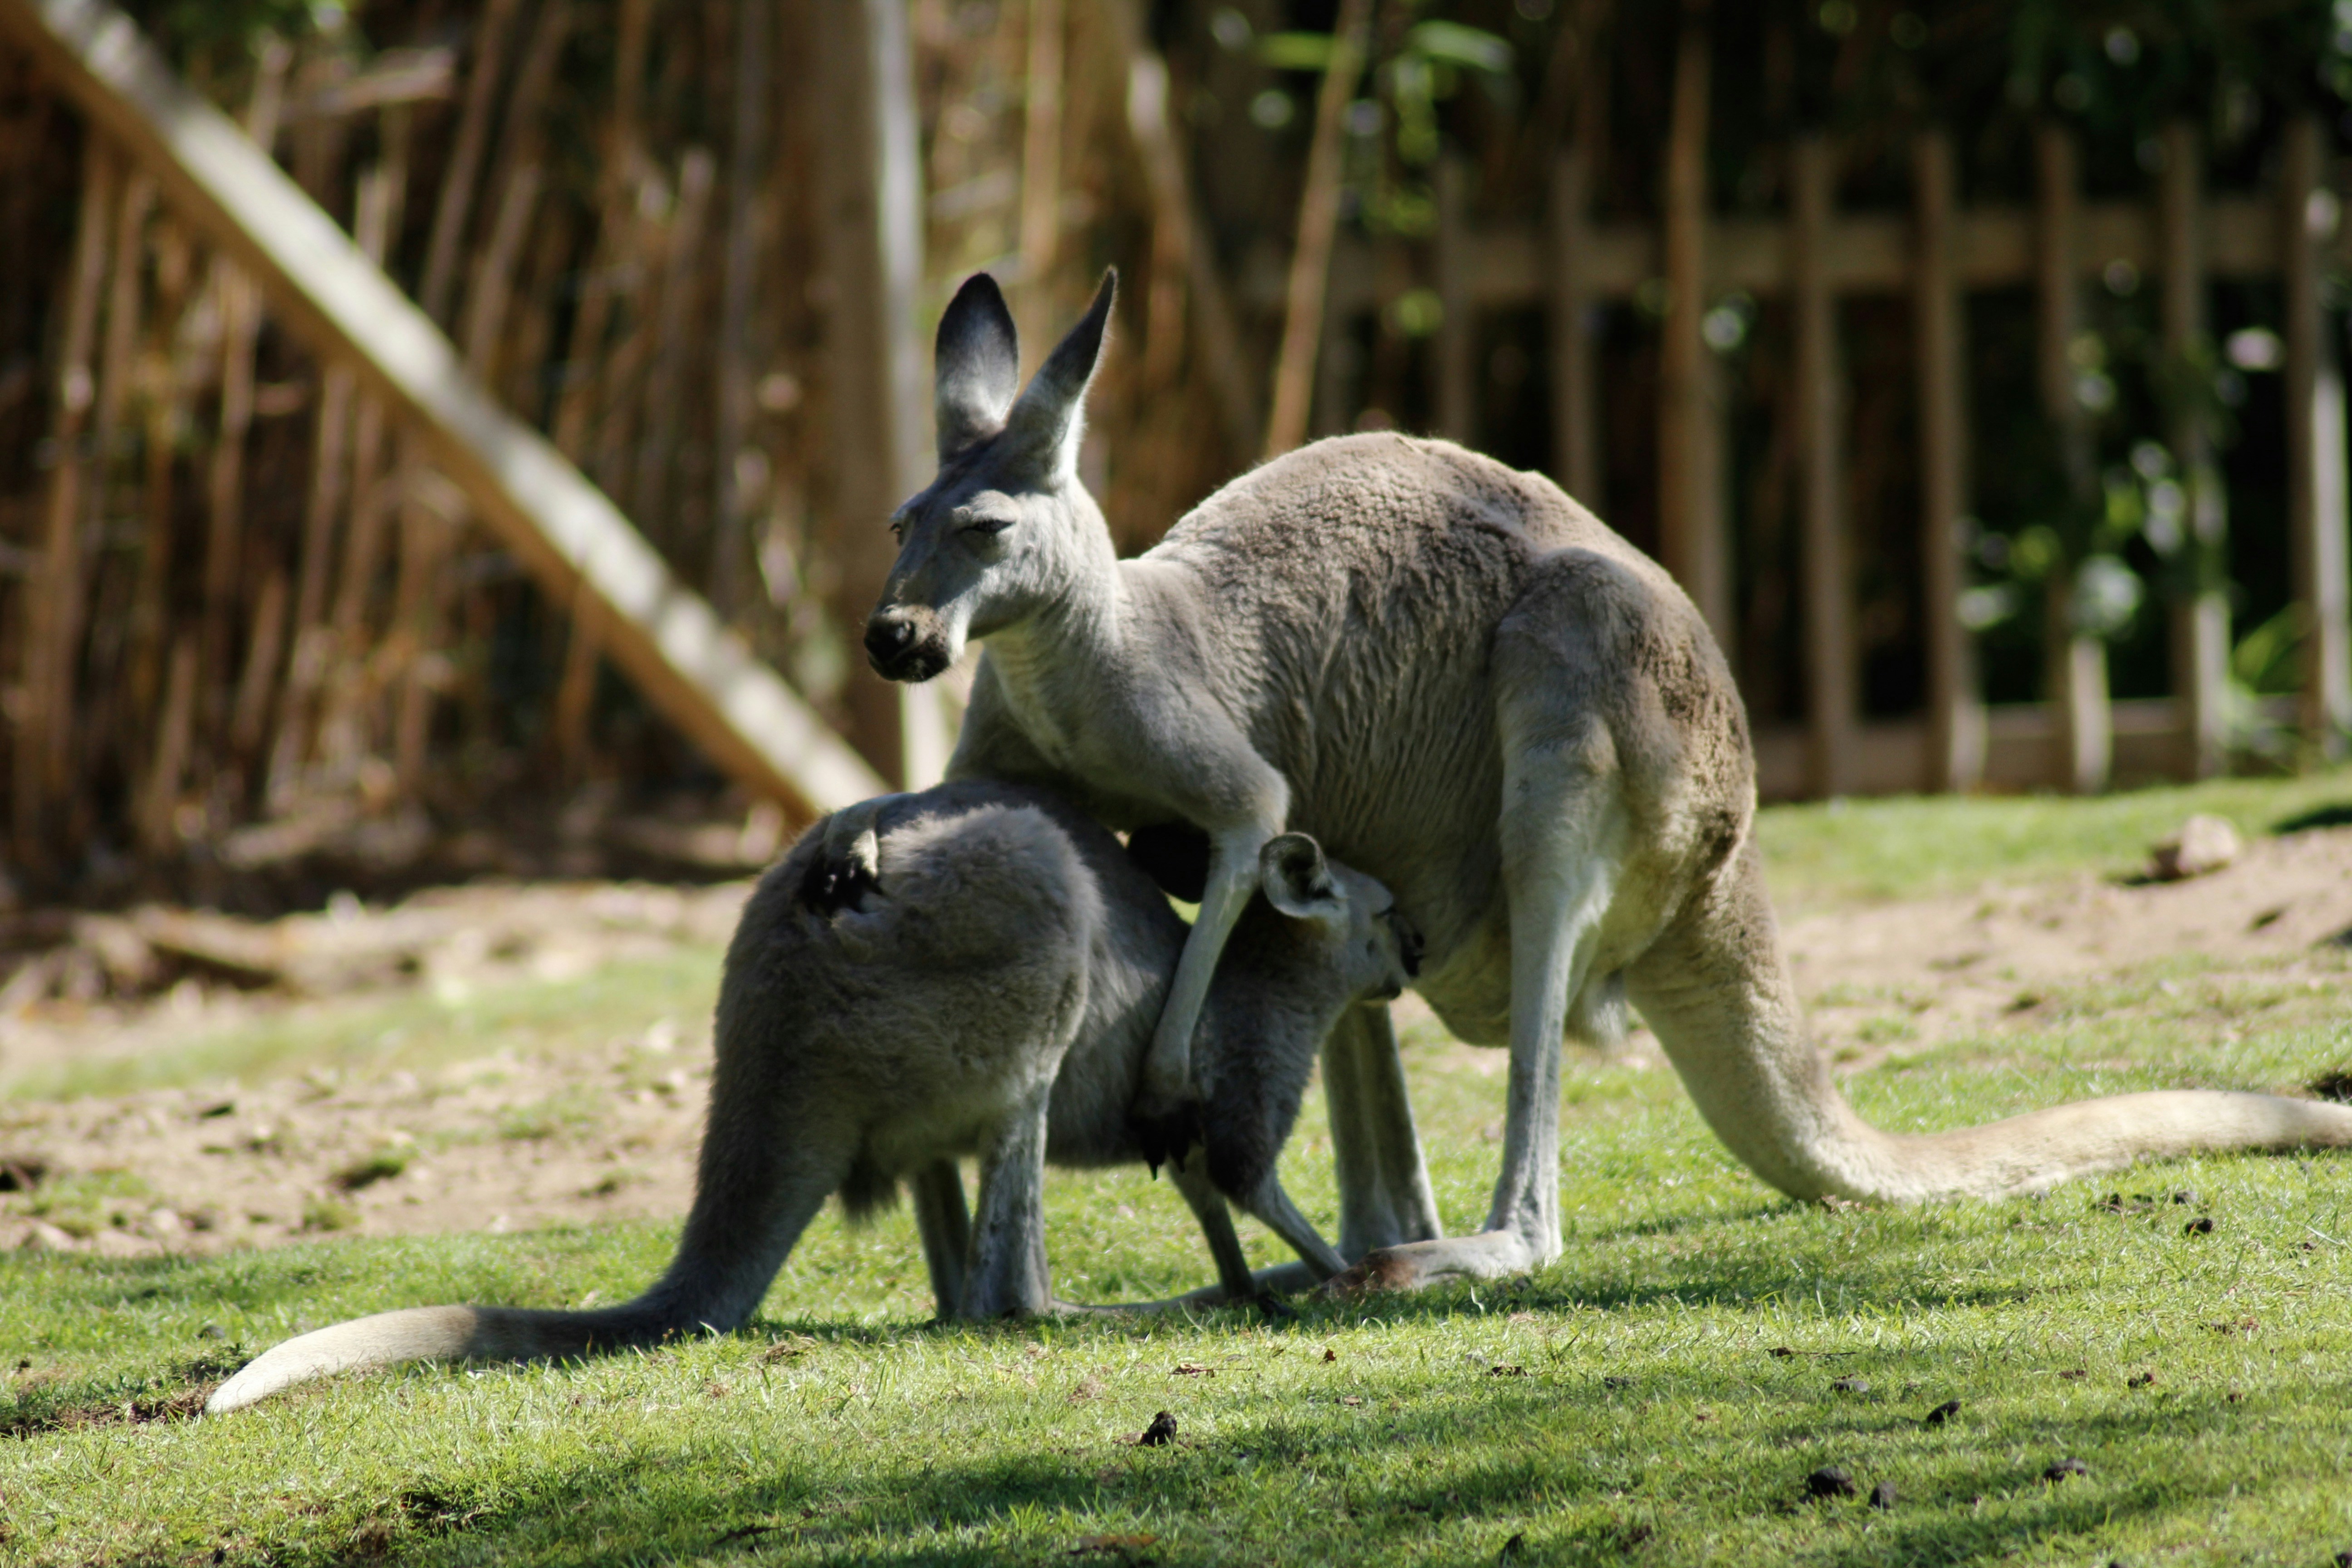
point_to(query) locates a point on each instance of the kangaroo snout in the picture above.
(904, 643)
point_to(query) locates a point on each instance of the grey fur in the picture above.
(1458, 679)
(985, 985)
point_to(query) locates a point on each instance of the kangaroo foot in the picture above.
(1489, 1255)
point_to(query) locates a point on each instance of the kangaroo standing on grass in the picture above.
(1463, 682)
(984, 981)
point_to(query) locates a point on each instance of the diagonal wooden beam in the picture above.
(702, 677)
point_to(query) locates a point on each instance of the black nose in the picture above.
(888, 636)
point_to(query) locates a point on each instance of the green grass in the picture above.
(1906, 845)
(1648, 1418)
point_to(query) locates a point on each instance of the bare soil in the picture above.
(606, 1126)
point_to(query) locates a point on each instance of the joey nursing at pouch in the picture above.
(978, 976)
(1462, 682)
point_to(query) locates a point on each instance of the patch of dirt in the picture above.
(514, 1140)
(608, 1129)
(1898, 977)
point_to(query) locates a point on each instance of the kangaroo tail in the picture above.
(1716, 990)
(2042, 1148)
(452, 1333)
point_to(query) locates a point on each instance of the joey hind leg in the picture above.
(1384, 1191)
(946, 1227)
(1190, 1174)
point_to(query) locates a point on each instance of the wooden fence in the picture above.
(1934, 256)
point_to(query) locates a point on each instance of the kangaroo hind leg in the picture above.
(1564, 836)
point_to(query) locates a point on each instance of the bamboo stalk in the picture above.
(443, 246)
(1318, 221)
(746, 156)
(1041, 174)
(159, 797)
(666, 383)
(100, 714)
(52, 623)
(1820, 413)
(1188, 299)
(240, 306)
(375, 215)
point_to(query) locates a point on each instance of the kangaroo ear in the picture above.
(978, 359)
(1297, 882)
(1045, 425)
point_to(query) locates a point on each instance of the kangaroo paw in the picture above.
(1165, 1129)
(850, 861)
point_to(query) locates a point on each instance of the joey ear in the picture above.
(979, 365)
(1045, 424)
(1296, 879)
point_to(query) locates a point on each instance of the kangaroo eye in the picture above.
(898, 531)
(988, 527)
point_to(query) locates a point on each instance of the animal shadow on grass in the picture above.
(2337, 814)
(1479, 1467)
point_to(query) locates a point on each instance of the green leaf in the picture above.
(1458, 45)
(1296, 51)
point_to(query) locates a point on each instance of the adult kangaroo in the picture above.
(1461, 681)
(982, 979)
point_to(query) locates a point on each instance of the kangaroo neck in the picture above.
(1074, 638)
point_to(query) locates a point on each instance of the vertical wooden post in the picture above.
(1955, 730)
(1457, 331)
(1575, 387)
(877, 396)
(1820, 417)
(2077, 661)
(2201, 614)
(1690, 482)
(2316, 455)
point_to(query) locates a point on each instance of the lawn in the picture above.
(1659, 1394)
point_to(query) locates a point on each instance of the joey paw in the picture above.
(1165, 1129)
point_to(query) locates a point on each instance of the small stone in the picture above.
(1882, 1496)
(1162, 1432)
(43, 1236)
(2204, 844)
(212, 1332)
(1852, 1385)
(1943, 1413)
(2064, 1468)
(1830, 1480)
(2140, 1380)
(2201, 1225)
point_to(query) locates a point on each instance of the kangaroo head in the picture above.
(999, 532)
(1350, 917)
